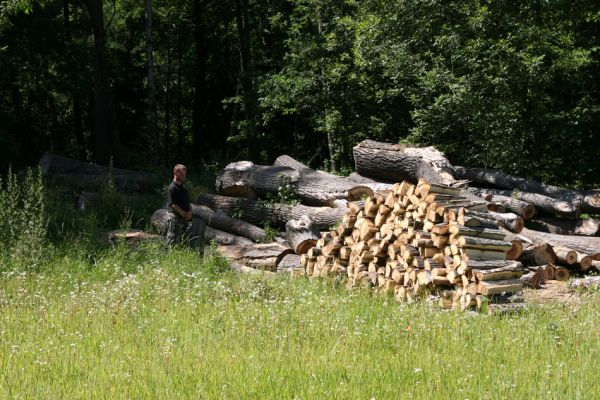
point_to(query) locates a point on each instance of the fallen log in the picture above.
(246, 179)
(519, 207)
(289, 262)
(397, 162)
(583, 244)
(590, 282)
(562, 226)
(217, 220)
(257, 212)
(353, 180)
(509, 221)
(534, 279)
(586, 201)
(541, 202)
(537, 254)
(565, 256)
(302, 234)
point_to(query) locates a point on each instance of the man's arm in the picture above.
(187, 215)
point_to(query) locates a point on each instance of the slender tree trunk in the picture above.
(246, 74)
(199, 92)
(106, 140)
(330, 140)
(153, 119)
(167, 137)
(75, 97)
(178, 115)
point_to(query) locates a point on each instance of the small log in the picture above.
(534, 279)
(516, 250)
(510, 272)
(492, 264)
(565, 256)
(302, 234)
(289, 262)
(561, 274)
(483, 243)
(497, 287)
(477, 232)
(537, 254)
(498, 202)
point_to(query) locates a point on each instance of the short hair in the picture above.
(178, 167)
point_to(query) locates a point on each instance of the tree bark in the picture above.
(216, 220)
(587, 201)
(519, 207)
(245, 179)
(153, 119)
(198, 140)
(396, 162)
(582, 244)
(562, 226)
(289, 262)
(279, 214)
(540, 201)
(302, 234)
(509, 221)
(106, 139)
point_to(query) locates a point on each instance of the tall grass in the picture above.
(152, 323)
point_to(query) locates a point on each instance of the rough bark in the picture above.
(152, 114)
(198, 125)
(246, 179)
(277, 213)
(396, 162)
(587, 201)
(302, 234)
(289, 262)
(519, 207)
(217, 220)
(562, 226)
(541, 202)
(582, 244)
(509, 221)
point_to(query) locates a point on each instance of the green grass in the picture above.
(148, 323)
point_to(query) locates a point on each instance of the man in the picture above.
(182, 224)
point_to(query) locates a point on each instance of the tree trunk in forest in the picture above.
(198, 125)
(245, 179)
(302, 234)
(178, 116)
(153, 119)
(587, 201)
(106, 138)
(396, 162)
(167, 134)
(246, 73)
(278, 214)
(585, 227)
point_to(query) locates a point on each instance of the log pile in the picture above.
(412, 242)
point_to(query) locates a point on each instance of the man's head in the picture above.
(179, 173)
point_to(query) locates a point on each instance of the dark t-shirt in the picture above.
(177, 194)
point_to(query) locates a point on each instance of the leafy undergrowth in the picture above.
(151, 323)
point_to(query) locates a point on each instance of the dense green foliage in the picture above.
(497, 84)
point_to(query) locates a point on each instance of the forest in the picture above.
(146, 84)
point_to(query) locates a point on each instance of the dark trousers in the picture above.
(191, 232)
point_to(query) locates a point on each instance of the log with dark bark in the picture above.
(397, 162)
(278, 214)
(583, 244)
(302, 234)
(287, 161)
(246, 179)
(218, 220)
(541, 202)
(537, 254)
(587, 201)
(80, 175)
(562, 226)
(519, 207)
(92, 183)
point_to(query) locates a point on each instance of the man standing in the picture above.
(182, 224)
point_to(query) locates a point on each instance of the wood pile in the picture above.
(420, 241)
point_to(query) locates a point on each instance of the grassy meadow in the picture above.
(82, 319)
(148, 323)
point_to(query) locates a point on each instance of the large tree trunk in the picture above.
(287, 161)
(245, 179)
(302, 234)
(153, 119)
(396, 162)
(277, 213)
(217, 220)
(588, 201)
(582, 244)
(540, 201)
(106, 139)
(585, 227)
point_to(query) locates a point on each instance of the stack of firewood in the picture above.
(421, 241)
